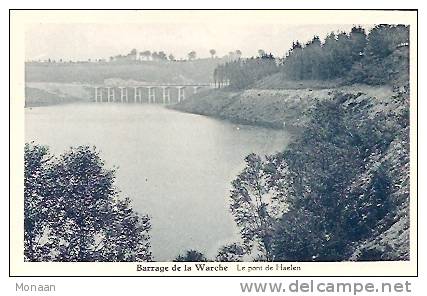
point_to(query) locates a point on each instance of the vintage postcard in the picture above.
(213, 143)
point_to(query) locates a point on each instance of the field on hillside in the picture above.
(197, 71)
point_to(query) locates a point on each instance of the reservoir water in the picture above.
(176, 167)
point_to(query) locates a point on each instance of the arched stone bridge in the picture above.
(156, 93)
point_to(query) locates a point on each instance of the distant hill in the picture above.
(196, 71)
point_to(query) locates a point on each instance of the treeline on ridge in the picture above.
(379, 57)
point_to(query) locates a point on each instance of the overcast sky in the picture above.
(83, 41)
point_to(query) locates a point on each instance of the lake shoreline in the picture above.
(172, 165)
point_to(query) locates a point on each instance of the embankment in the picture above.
(270, 107)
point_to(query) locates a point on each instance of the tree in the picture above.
(305, 229)
(215, 77)
(191, 55)
(332, 201)
(358, 40)
(385, 58)
(212, 52)
(261, 52)
(162, 55)
(191, 256)
(383, 39)
(327, 192)
(293, 63)
(249, 204)
(35, 204)
(145, 54)
(230, 253)
(240, 73)
(155, 56)
(354, 57)
(171, 57)
(73, 211)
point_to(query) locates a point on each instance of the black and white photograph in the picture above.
(214, 140)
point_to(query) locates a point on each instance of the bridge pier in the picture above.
(181, 93)
(123, 94)
(137, 94)
(98, 95)
(110, 94)
(166, 95)
(151, 95)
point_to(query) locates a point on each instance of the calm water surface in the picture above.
(176, 167)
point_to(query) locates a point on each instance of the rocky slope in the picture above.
(276, 107)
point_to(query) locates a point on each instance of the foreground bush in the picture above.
(73, 212)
